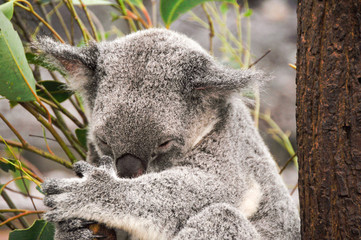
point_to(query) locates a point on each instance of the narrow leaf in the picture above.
(7, 166)
(20, 183)
(16, 77)
(40, 230)
(58, 90)
(7, 9)
(170, 10)
(248, 13)
(224, 8)
(81, 134)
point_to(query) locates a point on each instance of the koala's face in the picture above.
(143, 106)
(152, 95)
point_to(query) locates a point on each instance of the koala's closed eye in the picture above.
(102, 141)
(165, 145)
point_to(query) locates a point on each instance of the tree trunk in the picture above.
(329, 118)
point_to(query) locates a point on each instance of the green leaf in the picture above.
(15, 73)
(93, 2)
(170, 10)
(39, 189)
(7, 166)
(58, 90)
(224, 8)
(81, 134)
(40, 230)
(7, 9)
(248, 13)
(20, 183)
(42, 61)
(13, 104)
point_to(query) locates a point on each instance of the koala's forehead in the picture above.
(153, 57)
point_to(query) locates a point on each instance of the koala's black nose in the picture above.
(129, 166)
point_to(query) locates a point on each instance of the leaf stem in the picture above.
(211, 28)
(11, 205)
(19, 216)
(38, 151)
(60, 107)
(30, 9)
(21, 139)
(95, 35)
(51, 130)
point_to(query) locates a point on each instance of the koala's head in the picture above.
(152, 95)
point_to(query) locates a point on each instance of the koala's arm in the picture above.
(158, 204)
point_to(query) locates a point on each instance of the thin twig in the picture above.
(95, 35)
(211, 28)
(73, 141)
(259, 59)
(288, 162)
(19, 216)
(51, 130)
(123, 10)
(49, 139)
(17, 134)
(9, 224)
(61, 20)
(294, 189)
(38, 151)
(18, 192)
(60, 107)
(154, 12)
(28, 193)
(30, 9)
(85, 33)
(11, 205)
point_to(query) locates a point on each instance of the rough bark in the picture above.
(329, 118)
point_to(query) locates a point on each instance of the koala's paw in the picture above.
(79, 197)
(73, 229)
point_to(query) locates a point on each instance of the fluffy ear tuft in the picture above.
(223, 79)
(79, 62)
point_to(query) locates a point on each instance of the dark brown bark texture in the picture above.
(329, 118)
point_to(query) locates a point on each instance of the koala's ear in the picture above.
(222, 79)
(79, 62)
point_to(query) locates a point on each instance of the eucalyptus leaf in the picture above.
(13, 104)
(81, 134)
(40, 230)
(224, 8)
(7, 167)
(248, 13)
(170, 10)
(39, 189)
(58, 90)
(7, 9)
(16, 77)
(21, 184)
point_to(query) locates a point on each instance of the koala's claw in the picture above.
(87, 223)
(99, 236)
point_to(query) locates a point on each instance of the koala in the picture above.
(173, 151)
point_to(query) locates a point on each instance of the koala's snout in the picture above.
(130, 166)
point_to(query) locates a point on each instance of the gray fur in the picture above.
(215, 179)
